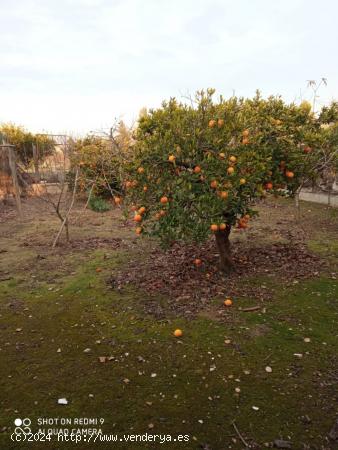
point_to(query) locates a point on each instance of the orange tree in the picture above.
(200, 168)
(101, 159)
(320, 146)
(99, 166)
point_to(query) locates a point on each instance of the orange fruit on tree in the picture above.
(197, 169)
(197, 262)
(307, 149)
(140, 170)
(162, 213)
(268, 185)
(289, 174)
(220, 123)
(145, 188)
(222, 155)
(164, 200)
(178, 333)
(242, 181)
(222, 226)
(214, 227)
(137, 218)
(246, 133)
(245, 141)
(232, 159)
(171, 158)
(138, 230)
(98, 269)
(212, 123)
(129, 184)
(213, 184)
(117, 200)
(230, 170)
(223, 194)
(228, 302)
(142, 210)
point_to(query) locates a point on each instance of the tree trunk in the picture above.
(297, 204)
(36, 163)
(224, 248)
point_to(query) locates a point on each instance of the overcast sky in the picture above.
(74, 65)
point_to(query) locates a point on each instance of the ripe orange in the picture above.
(228, 302)
(289, 174)
(142, 210)
(231, 170)
(129, 184)
(137, 218)
(242, 181)
(222, 155)
(145, 188)
(222, 226)
(245, 141)
(220, 123)
(307, 149)
(246, 133)
(197, 169)
(214, 227)
(117, 200)
(98, 269)
(212, 123)
(140, 170)
(178, 333)
(233, 159)
(242, 223)
(164, 200)
(138, 230)
(213, 184)
(197, 262)
(223, 194)
(268, 186)
(171, 158)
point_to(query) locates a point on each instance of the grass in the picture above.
(176, 386)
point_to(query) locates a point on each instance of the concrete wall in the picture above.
(319, 197)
